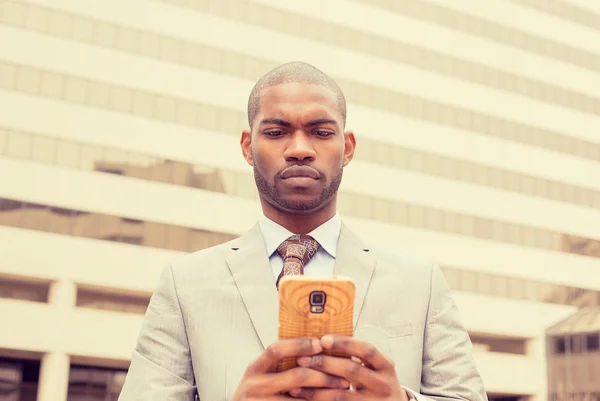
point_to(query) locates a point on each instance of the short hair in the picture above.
(295, 71)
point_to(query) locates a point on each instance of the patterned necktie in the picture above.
(296, 251)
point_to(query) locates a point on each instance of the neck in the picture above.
(299, 223)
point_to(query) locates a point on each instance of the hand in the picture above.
(373, 374)
(261, 381)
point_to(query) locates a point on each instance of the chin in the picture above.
(300, 204)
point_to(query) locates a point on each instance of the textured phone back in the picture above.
(296, 318)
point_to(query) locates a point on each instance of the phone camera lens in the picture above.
(317, 298)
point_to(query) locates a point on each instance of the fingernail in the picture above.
(345, 383)
(317, 345)
(327, 341)
(304, 361)
(295, 392)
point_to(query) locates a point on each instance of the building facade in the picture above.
(478, 147)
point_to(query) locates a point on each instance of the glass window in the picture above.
(52, 85)
(60, 24)
(44, 149)
(363, 206)
(483, 228)
(3, 140)
(346, 204)
(105, 34)
(399, 213)
(560, 345)
(186, 112)
(451, 222)
(177, 238)
(75, 90)
(192, 55)
(400, 157)
(466, 224)
(246, 186)
(143, 104)
(170, 49)
(8, 75)
(468, 281)
(127, 39)
(434, 219)
(208, 117)
(415, 160)
(449, 167)
(83, 29)
(432, 164)
(37, 18)
(592, 342)
(382, 153)
(452, 276)
(91, 157)
(98, 94)
(480, 174)
(68, 153)
(226, 180)
(165, 108)
(28, 80)
(19, 145)
(381, 209)
(416, 216)
(485, 284)
(499, 231)
(19, 378)
(120, 99)
(528, 185)
(516, 287)
(95, 384)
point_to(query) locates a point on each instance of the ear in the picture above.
(349, 146)
(246, 144)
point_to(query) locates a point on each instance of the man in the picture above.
(211, 326)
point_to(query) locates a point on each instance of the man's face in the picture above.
(298, 147)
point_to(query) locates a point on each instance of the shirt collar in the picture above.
(327, 234)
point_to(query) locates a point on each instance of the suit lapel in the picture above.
(249, 265)
(354, 260)
(250, 268)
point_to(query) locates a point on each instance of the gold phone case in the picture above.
(313, 307)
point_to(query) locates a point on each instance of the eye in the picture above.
(274, 134)
(323, 133)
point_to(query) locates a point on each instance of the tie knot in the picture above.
(300, 247)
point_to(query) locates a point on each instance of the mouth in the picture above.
(298, 172)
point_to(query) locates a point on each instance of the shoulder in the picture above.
(204, 261)
(402, 261)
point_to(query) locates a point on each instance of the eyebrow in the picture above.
(321, 121)
(277, 121)
(287, 124)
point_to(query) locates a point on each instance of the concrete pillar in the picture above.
(54, 377)
(53, 383)
(62, 294)
(536, 349)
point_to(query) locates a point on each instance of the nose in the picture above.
(299, 148)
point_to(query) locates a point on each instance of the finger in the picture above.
(331, 395)
(351, 370)
(267, 361)
(368, 353)
(299, 378)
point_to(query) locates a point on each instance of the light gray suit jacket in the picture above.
(214, 311)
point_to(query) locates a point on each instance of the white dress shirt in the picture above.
(327, 235)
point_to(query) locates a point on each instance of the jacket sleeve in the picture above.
(449, 371)
(161, 367)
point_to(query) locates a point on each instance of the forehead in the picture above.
(294, 99)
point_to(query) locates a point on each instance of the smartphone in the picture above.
(314, 306)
